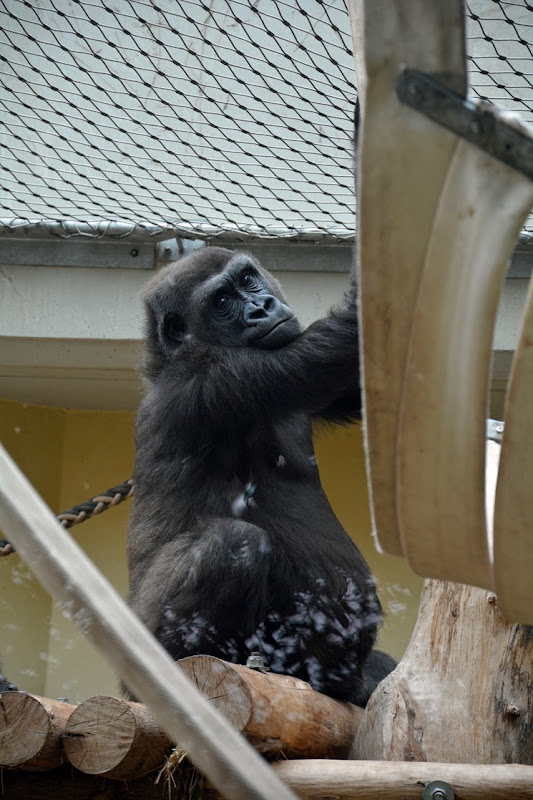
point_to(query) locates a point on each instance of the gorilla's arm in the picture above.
(219, 572)
(204, 389)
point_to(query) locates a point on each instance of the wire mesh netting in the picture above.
(233, 118)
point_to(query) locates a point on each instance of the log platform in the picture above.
(119, 740)
(113, 749)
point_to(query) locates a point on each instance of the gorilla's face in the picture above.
(219, 297)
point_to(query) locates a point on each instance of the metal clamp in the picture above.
(479, 124)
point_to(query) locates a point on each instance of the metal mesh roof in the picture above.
(231, 118)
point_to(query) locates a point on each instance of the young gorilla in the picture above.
(233, 546)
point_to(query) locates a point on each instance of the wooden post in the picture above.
(463, 690)
(31, 730)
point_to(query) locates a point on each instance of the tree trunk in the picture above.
(463, 692)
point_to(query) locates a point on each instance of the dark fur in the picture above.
(233, 546)
(5, 684)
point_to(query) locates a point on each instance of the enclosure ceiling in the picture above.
(229, 118)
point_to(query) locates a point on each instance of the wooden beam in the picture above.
(391, 780)
(310, 780)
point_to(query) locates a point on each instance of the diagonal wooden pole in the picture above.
(86, 597)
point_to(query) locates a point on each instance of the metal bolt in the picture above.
(499, 428)
(491, 598)
(512, 710)
(167, 250)
(255, 661)
(438, 790)
(134, 253)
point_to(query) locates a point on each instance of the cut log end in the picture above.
(113, 737)
(222, 685)
(31, 730)
(277, 713)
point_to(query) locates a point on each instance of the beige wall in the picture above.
(68, 456)
(97, 454)
(72, 455)
(341, 463)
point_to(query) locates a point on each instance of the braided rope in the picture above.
(90, 508)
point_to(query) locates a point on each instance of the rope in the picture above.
(90, 508)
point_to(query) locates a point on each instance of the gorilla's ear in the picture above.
(172, 330)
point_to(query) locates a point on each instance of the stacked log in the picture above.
(109, 741)
(112, 737)
(120, 739)
(32, 730)
(277, 713)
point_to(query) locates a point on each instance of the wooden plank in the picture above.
(386, 780)
(441, 437)
(513, 512)
(403, 160)
(96, 608)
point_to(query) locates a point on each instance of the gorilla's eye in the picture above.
(246, 278)
(174, 327)
(221, 301)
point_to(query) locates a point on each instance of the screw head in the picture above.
(255, 661)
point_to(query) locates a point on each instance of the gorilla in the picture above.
(233, 547)
(5, 684)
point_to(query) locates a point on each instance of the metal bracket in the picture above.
(480, 124)
(495, 429)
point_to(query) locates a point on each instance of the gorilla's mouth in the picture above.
(274, 327)
(280, 333)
